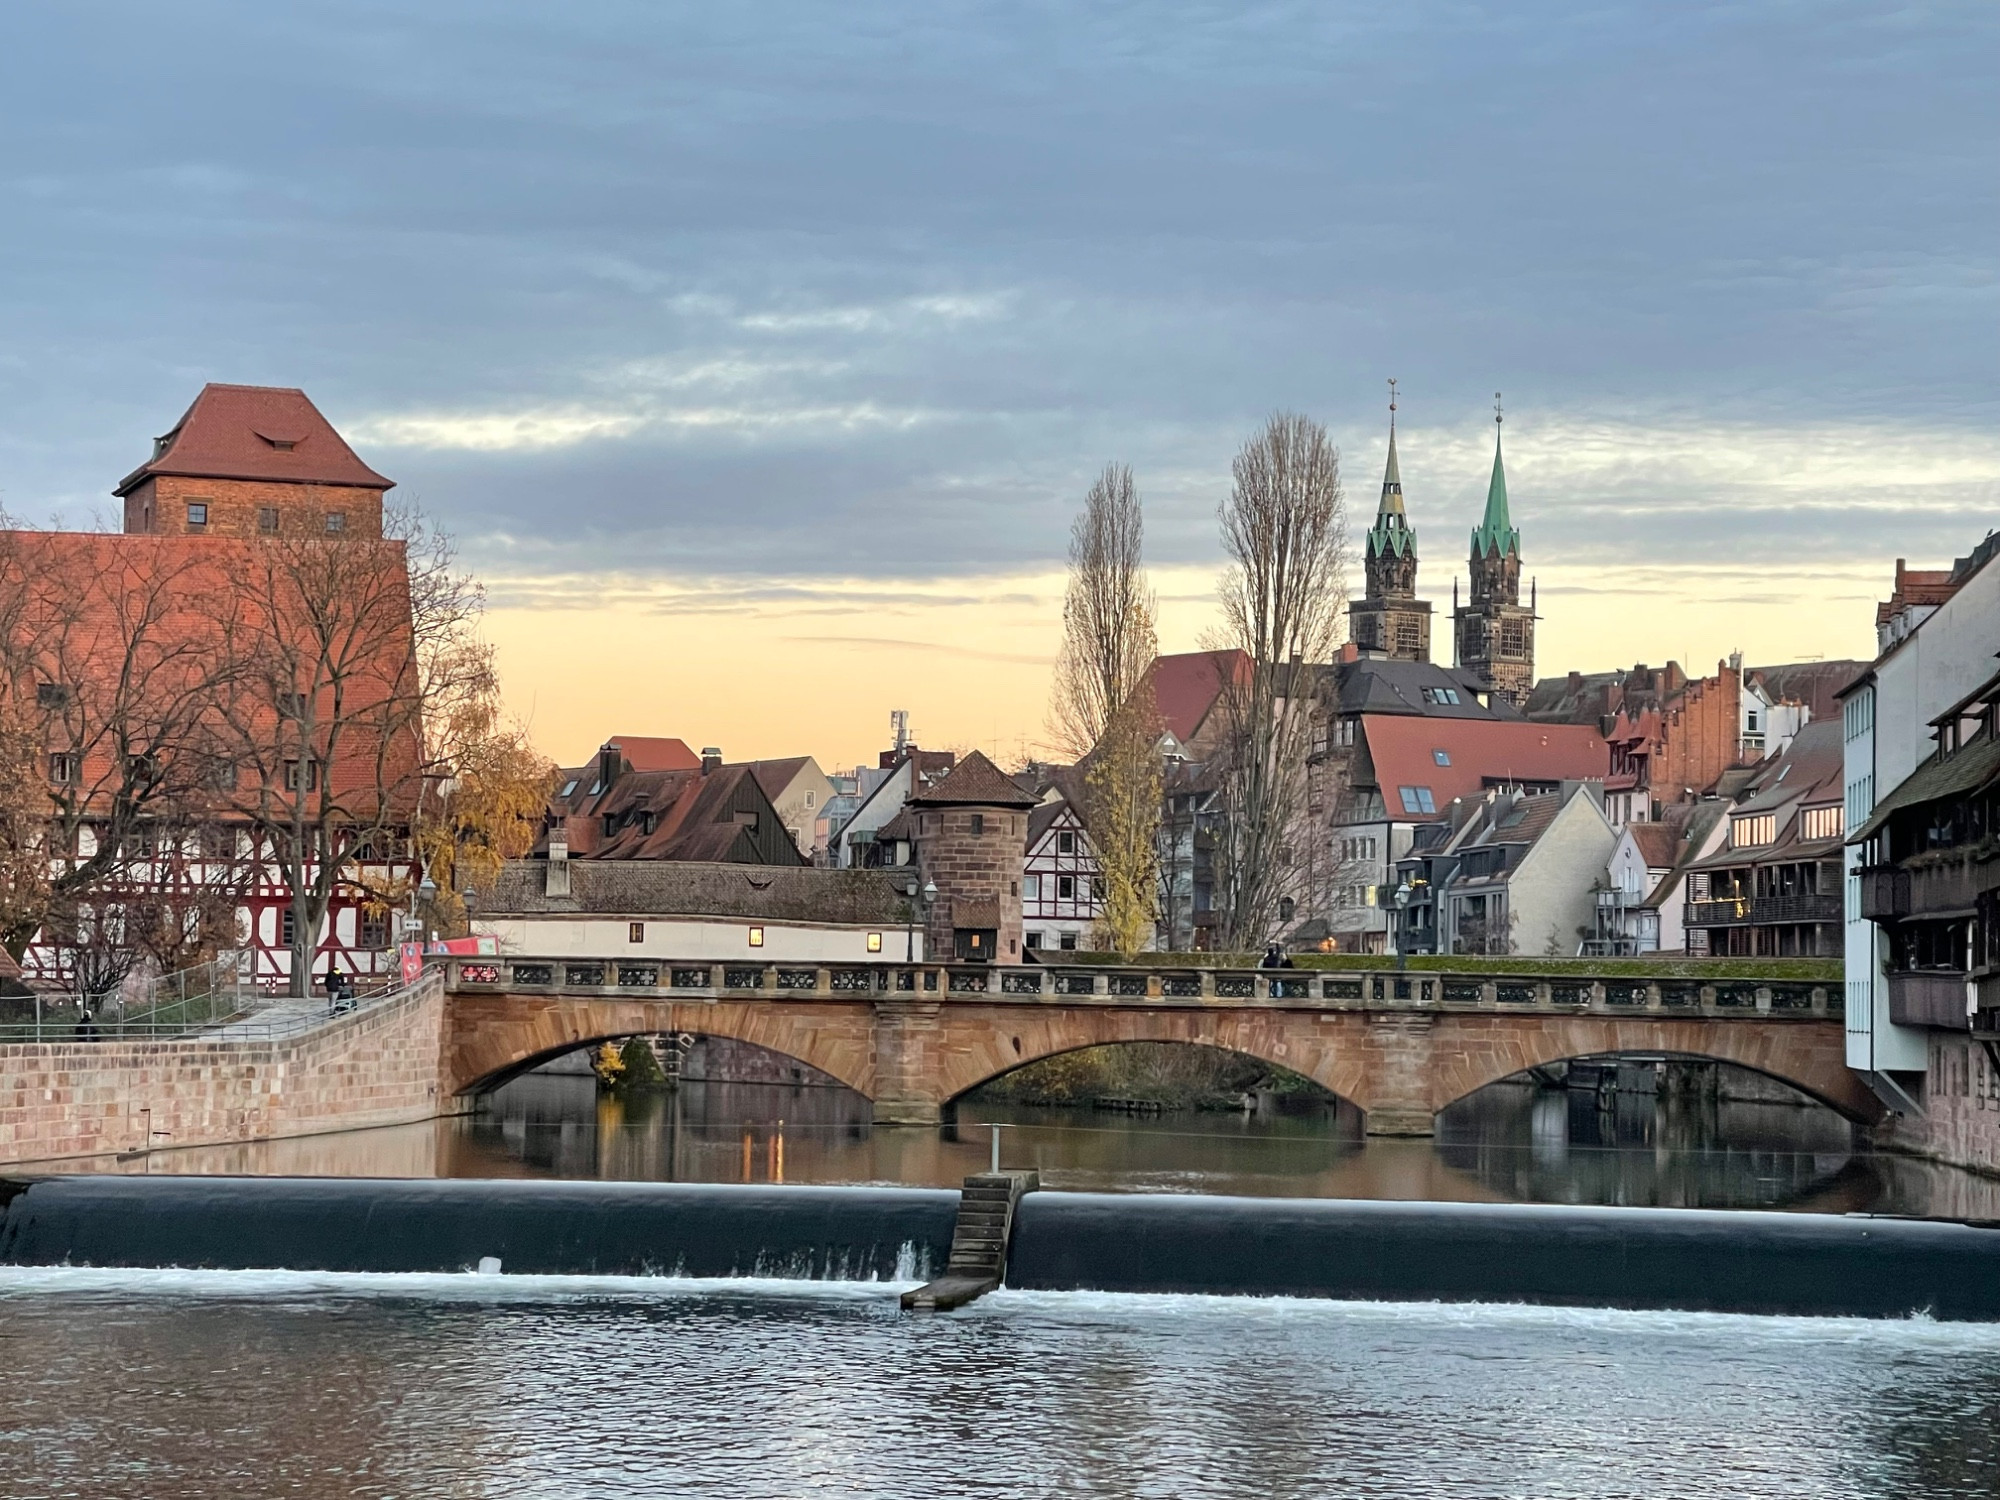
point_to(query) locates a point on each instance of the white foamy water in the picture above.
(172, 1384)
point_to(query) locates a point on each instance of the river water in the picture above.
(1513, 1142)
(177, 1385)
(210, 1386)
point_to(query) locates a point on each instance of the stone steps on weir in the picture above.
(979, 1236)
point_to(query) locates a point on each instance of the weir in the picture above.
(1682, 1259)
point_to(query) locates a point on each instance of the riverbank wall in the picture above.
(1687, 1259)
(377, 1066)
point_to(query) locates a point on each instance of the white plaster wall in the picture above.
(558, 936)
(1554, 886)
(1945, 658)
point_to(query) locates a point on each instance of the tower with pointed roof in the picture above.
(1390, 620)
(1494, 630)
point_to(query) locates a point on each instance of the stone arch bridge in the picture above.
(914, 1038)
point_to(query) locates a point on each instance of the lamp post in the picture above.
(426, 895)
(1402, 926)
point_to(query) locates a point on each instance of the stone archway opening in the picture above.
(1157, 1077)
(1651, 1129)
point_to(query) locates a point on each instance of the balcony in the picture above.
(1775, 909)
(1928, 998)
(1885, 893)
(1734, 912)
(1763, 911)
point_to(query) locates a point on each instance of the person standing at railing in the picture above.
(86, 1027)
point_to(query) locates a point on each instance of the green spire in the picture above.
(1496, 533)
(1391, 531)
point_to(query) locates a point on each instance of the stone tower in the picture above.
(972, 840)
(1495, 631)
(1391, 620)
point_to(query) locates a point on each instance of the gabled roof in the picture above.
(1659, 844)
(1480, 753)
(255, 432)
(975, 782)
(646, 753)
(1185, 687)
(775, 775)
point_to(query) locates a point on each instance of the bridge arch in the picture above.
(492, 1039)
(978, 1050)
(951, 1103)
(1808, 1058)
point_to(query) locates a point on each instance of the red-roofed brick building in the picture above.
(211, 690)
(248, 460)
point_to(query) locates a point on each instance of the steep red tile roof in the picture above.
(1480, 752)
(1659, 844)
(255, 432)
(644, 753)
(1186, 686)
(975, 782)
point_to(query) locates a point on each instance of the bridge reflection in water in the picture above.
(1723, 1138)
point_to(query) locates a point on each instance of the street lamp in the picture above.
(426, 894)
(1402, 926)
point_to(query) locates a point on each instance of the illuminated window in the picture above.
(635, 932)
(1747, 833)
(756, 937)
(874, 942)
(1824, 822)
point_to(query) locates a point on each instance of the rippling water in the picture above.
(1508, 1143)
(173, 1386)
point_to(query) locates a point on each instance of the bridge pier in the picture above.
(1403, 1043)
(906, 1061)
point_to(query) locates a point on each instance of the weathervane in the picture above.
(1392, 403)
(1496, 408)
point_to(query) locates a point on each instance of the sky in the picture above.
(759, 355)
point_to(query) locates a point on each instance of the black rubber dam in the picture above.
(1744, 1262)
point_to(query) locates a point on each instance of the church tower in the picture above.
(1495, 631)
(1391, 620)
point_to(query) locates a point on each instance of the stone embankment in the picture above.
(377, 1066)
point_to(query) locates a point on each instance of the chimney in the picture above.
(711, 759)
(556, 882)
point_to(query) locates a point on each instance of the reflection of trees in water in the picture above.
(1175, 1074)
(1706, 1145)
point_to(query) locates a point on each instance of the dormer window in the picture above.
(281, 444)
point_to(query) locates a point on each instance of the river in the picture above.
(212, 1386)
(1511, 1142)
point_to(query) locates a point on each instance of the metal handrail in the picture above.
(247, 1017)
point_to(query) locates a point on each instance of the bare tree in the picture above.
(1284, 601)
(334, 647)
(1100, 714)
(108, 660)
(1108, 613)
